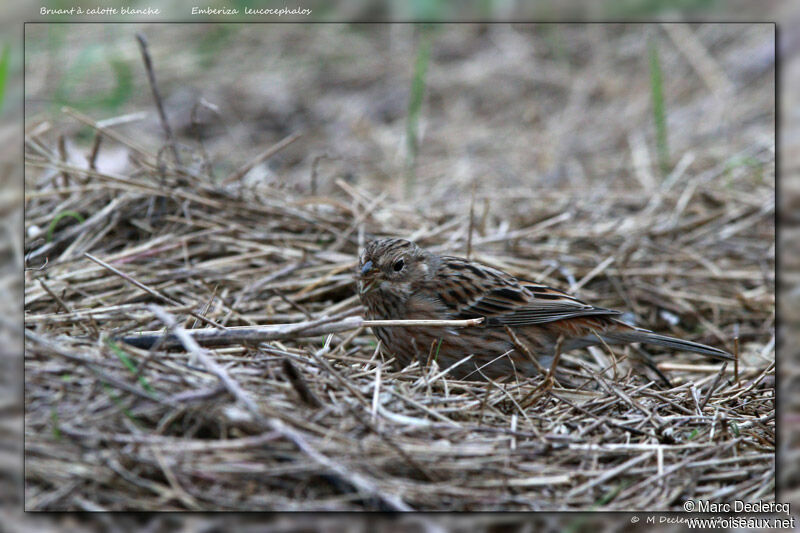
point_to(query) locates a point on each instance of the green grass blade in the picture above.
(415, 106)
(52, 228)
(118, 402)
(659, 115)
(126, 360)
(5, 59)
(55, 421)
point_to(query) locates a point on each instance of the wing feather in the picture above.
(510, 302)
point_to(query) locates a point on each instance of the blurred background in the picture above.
(422, 110)
(395, 107)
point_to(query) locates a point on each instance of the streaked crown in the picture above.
(389, 258)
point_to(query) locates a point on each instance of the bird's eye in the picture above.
(398, 265)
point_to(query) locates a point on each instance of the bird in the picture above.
(399, 280)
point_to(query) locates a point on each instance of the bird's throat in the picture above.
(385, 302)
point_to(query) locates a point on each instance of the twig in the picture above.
(105, 129)
(64, 305)
(266, 154)
(92, 157)
(357, 480)
(549, 379)
(525, 350)
(427, 323)
(300, 385)
(315, 169)
(608, 474)
(713, 386)
(62, 154)
(151, 292)
(319, 358)
(313, 328)
(151, 78)
(205, 358)
(595, 271)
(698, 56)
(92, 366)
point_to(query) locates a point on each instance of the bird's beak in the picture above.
(366, 284)
(365, 268)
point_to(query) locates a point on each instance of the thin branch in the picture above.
(151, 292)
(151, 77)
(258, 334)
(266, 154)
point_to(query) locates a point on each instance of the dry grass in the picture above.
(325, 422)
(335, 426)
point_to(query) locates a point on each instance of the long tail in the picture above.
(646, 336)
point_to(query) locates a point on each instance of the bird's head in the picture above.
(391, 264)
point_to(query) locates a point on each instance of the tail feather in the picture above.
(648, 337)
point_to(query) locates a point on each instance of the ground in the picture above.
(633, 165)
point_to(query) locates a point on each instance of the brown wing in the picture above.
(530, 304)
(479, 291)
